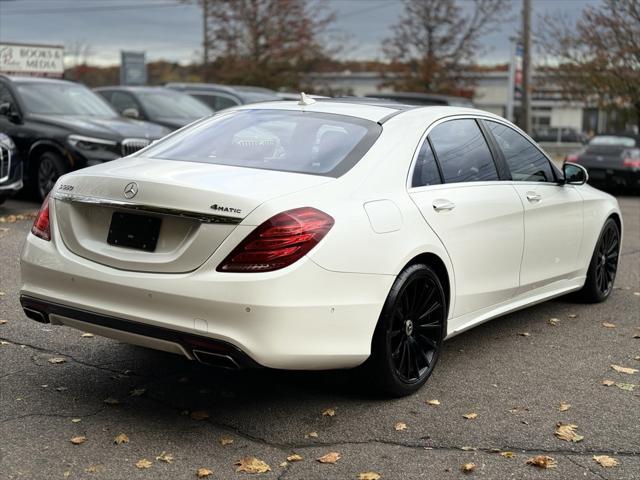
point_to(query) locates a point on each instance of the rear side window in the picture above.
(526, 162)
(425, 172)
(463, 152)
(284, 140)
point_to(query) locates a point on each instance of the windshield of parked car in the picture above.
(285, 140)
(63, 99)
(172, 105)
(613, 140)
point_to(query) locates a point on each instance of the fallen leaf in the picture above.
(143, 463)
(630, 387)
(470, 416)
(294, 457)
(369, 476)
(637, 358)
(87, 335)
(225, 440)
(165, 457)
(628, 371)
(199, 415)
(467, 449)
(606, 461)
(567, 432)
(329, 412)
(93, 468)
(564, 406)
(76, 420)
(56, 360)
(284, 464)
(542, 461)
(2, 321)
(553, 321)
(137, 392)
(468, 467)
(573, 315)
(111, 401)
(203, 472)
(507, 454)
(637, 334)
(311, 435)
(78, 440)
(608, 383)
(637, 294)
(4, 342)
(608, 325)
(524, 334)
(400, 426)
(252, 465)
(433, 402)
(122, 438)
(331, 457)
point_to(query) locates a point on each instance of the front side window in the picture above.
(463, 152)
(163, 104)
(62, 99)
(425, 171)
(284, 140)
(526, 162)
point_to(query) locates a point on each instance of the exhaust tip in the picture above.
(36, 315)
(216, 359)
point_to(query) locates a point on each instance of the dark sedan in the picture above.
(155, 104)
(613, 161)
(219, 97)
(10, 168)
(59, 126)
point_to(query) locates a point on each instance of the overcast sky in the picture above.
(172, 30)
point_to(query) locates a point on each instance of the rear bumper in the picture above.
(613, 177)
(302, 317)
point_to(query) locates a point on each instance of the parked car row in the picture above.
(50, 127)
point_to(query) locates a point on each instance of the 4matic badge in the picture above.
(220, 208)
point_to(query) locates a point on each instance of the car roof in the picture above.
(28, 79)
(137, 88)
(365, 108)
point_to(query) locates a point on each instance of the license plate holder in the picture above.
(129, 230)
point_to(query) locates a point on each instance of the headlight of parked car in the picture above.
(91, 143)
(6, 142)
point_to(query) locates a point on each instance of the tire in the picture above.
(603, 266)
(409, 335)
(49, 167)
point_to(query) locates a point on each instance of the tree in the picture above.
(270, 43)
(436, 41)
(598, 57)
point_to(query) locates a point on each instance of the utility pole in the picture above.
(205, 40)
(526, 66)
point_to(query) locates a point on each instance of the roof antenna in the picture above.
(305, 100)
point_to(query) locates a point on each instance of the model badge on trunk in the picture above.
(131, 190)
(220, 208)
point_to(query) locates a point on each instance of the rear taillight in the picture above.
(631, 162)
(279, 242)
(41, 227)
(572, 157)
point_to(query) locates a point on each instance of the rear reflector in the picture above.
(41, 227)
(631, 162)
(279, 242)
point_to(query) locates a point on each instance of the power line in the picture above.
(97, 8)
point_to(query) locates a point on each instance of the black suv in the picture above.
(10, 168)
(159, 105)
(59, 126)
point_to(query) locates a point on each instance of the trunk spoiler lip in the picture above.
(125, 205)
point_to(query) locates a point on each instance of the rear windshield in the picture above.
(613, 140)
(285, 140)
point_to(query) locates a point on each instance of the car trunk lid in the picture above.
(161, 215)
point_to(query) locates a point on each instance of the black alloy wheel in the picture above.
(410, 332)
(602, 270)
(50, 167)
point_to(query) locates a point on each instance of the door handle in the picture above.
(534, 197)
(442, 205)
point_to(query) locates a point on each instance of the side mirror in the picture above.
(131, 113)
(7, 110)
(574, 174)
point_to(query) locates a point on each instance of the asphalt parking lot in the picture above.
(513, 373)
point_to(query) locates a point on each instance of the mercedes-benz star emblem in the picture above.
(131, 190)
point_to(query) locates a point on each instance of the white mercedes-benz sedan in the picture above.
(319, 235)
